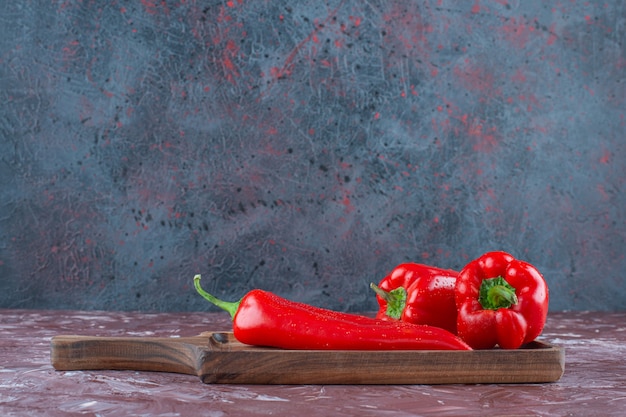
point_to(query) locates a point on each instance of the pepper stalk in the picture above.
(396, 300)
(496, 293)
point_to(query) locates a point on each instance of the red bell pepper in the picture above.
(264, 319)
(418, 294)
(500, 301)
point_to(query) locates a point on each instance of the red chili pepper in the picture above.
(264, 319)
(418, 294)
(500, 301)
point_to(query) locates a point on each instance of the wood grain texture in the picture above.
(178, 355)
(219, 358)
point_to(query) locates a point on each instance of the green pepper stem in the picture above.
(382, 293)
(496, 293)
(229, 306)
(395, 299)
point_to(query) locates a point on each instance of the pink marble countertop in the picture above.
(594, 382)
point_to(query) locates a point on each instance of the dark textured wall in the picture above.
(306, 147)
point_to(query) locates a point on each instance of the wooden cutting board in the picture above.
(217, 358)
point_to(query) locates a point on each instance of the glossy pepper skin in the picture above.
(262, 318)
(500, 301)
(418, 294)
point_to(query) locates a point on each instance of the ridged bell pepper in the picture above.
(500, 301)
(418, 294)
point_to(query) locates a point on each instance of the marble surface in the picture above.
(594, 380)
(306, 148)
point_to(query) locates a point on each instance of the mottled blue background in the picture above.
(306, 148)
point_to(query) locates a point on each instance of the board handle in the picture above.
(179, 355)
